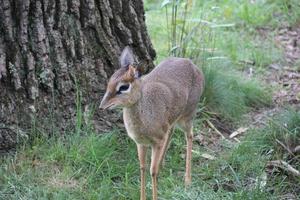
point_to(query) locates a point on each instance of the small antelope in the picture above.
(153, 104)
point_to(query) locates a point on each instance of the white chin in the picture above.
(111, 107)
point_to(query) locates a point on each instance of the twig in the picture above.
(284, 165)
(248, 62)
(208, 156)
(285, 147)
(204, 155)
(213, 127)
(237, 140)
(238, 131)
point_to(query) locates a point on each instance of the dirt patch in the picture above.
(289, 39)
(284, 78)
(288, 76)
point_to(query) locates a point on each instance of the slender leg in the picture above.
(142, 152)
(189, 141)
(166, 146)
(157, 153)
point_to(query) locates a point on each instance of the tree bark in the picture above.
(54, 51)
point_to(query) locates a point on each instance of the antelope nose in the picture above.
(102, 104)
(104, 100)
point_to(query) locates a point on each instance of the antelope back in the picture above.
(171, 91)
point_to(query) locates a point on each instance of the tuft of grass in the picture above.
(231, 95)
(285, 127)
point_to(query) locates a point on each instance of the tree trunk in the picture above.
(55, 58)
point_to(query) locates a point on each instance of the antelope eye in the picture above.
(123, 88)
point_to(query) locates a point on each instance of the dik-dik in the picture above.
(153, 104)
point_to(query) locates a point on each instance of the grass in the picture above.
(92, 166)
(233, 23)
(231, 95)
(76, 167)
(220, 36)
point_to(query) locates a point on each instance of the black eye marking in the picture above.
(123, 88)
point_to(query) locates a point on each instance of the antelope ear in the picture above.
(140, 69)
(132, 73)
(126, 57)
(129, 75)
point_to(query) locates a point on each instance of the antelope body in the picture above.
(153, 104)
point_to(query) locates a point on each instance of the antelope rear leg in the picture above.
(187, 127)
(189, 141)
(166, 146)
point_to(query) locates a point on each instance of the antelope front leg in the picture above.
(157, 153)
(142, 153)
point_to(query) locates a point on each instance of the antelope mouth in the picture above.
(111, 106)
(107, 106)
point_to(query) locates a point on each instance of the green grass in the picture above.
(91, 166)
(230, 94)
(232, 34)
(250, 14)
(75, 167)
